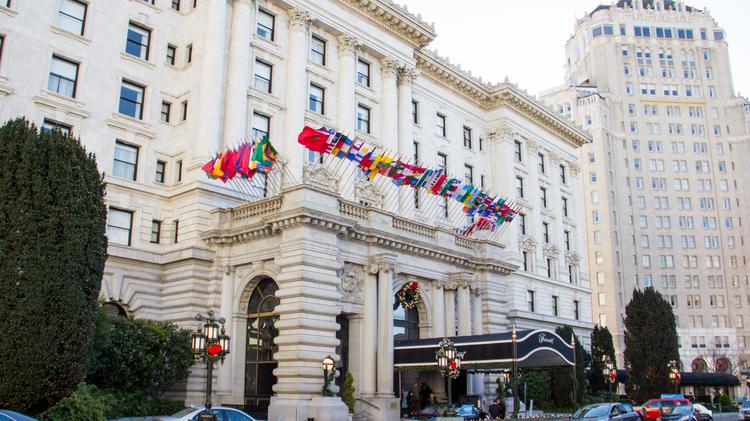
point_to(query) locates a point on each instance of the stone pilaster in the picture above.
(438, 309)
(406, 76)
(227, 312)
(502, 181)
(385, 324)
(238, 73)
(346, 113)
(389, 118)
(370, 332)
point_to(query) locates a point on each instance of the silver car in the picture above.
(745, 411)
(222, 414)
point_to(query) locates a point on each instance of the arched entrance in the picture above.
(260, 346)
(723, 365)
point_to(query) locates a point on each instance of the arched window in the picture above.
(405, 323)
(260, 348)
(113, 308)
(699, 366)
(723, 365)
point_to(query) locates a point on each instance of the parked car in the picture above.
(745, 411)
(222, 414)
(703, 409)
(655, 409)
(467, 411)
(606, 411)
(6, 415)
(686, 413)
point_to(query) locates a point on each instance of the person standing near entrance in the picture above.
(424, 395)
(497, 410)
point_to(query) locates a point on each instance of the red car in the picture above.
(655, 408)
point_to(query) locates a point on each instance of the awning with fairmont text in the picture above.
(534, 348)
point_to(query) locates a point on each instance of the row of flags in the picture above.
(492, 211)
(243, 160)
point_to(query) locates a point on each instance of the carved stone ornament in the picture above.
(554, 158)
(368, 194)
(318, 176)
(407, 75)
(574, 169)
(551, 251)
(572, 258)
(532, 146)
(526, 243)
(351, 282)
(348, 43)
(502, 132)
(389, 66)
(299, 18)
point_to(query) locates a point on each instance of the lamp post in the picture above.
(609, 372)
(210, 344)
(674, 375)
(514, 385)
(328, 367)
(449, 364)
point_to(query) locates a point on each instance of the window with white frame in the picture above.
(440, 125)
(265, 25)
(317, 99)
(318, 50)
(125, 163)
(63, 77)
(363, 73)
(138, 41)
(263, 74)
(363, 118)
(131, 99)
(119, 226)
(72, 16)
(261, 126)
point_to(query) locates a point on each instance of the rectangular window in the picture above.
(440, 125)
(138, 41)
(545, 232)
(48, 126)
(576, 309)
(554, 305)
(565, 206)
(363, 118)
(126, 161)
(63, 77)
(468, 174)
(567, 240)
(131, 99)
(563, 177)
(119, 226)
(161, 168)
(166, 109)
(522, 223)
(525, 261)
(530, 300)
(541, 164)
(318, 50)
(543, 196)
(261, 126)
(184, 109)
(72, 16)
(265, 25)
(155, 231)
(189, 53)
(517, 150)
(442, 163)
(179, 170)
(317, 99)
(549, 268)
(263, 76)
(176, 230)
(414, 112)
(176, 5)
(171, 53)
(363, 75)
(467, 137)
(519, 186)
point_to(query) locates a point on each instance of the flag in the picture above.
(315, 140)
(264, 155)
(208, 167)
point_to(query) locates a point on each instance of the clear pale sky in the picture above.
(525, 39)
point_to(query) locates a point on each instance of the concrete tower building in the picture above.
(664, 201)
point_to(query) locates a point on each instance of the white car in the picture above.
(703, 410)
(222, 414)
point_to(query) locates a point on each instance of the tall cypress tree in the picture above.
(601, 346)
(650, 343)
(52, 254)
(563, 393)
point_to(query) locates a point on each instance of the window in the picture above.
(171, 53)
(263, 74)
(442, 163)
(414, 111)
(525, 260)
(318, 50)
(126, 161)
(166, 108)
(530, 300)
(261, 126)
(176, 5)
(119, 226)
(63, 77)
(554, 305)
(155, 231)
(549, 268)
(176, 230)
(179, 170)
(161, 167)
(545, 232)
(440, 125)
(517, 150)
(565, 206)
(363, 77)
(363, 118)
(468, 174)
(184, 109)
(575, 309)
(138, 41)
(467, 137)
(265, 24)
(541, 164)
(522, 223)
(131, 99)
(563, 177)
(49, 125)
(2, 42)
(189, 53)
(72, 16)
(567, 240)
(543, 196)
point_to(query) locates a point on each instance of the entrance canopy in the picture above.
(534, 348)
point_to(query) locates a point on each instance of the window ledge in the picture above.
(149, 5)
(124, 122)
(137, 60)
(8, 11)
(79, 38)
(5, 88)
(319, 119)
(58, 102)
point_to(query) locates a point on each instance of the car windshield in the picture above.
(592, 411)
(182, 413)
(682, 410)
(746, 404)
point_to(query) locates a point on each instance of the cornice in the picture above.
(396, 19)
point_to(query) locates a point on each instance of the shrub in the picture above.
(52, 254)
(348, 395)
(86, 404)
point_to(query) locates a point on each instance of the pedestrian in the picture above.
(412, 403)
(497, 410)
(502, 408)
(424, 395)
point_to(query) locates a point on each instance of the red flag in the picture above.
(315, 140)
(228, 164)
(208, 167)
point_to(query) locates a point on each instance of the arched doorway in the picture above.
(405, 323)
(723, 365)
(260, 346)
(699, 366)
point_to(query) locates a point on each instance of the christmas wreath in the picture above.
(214, 353)
(453, 371)
(408, 295)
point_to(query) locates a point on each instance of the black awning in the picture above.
(534, 348)
(696, 379)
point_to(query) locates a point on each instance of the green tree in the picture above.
(601, 346)
(537, 388)
(650, 343)
(348, 393)
(564, 394)
(52, 254)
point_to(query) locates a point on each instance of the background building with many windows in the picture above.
(664, 189)
(303, 261)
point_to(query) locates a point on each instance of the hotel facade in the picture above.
(303, 261)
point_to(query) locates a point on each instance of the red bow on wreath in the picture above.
(214, 350)
(453, 365)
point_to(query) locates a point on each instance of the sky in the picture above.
(525, 39)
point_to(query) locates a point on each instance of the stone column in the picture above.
(346, 109)
(477, 329)
(370, 331)
(502, 182)
(296, 91)
(450, 311)
(227, 312)
(211, 47)
(578, 214)
(385, 326)
(534, 212)
(238, 74)
(555, 204)
(389, 119)
(406, 76)
(438, 309)
(464, 309)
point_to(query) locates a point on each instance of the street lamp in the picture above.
(449, 364)
(328, 367)
(609, 372)
(210, 344)
(514, 385)
(674, 375)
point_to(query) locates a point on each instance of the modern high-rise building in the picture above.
(305, 261)
(664, 201)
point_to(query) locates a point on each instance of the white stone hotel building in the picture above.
(309, 266)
